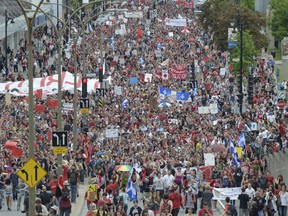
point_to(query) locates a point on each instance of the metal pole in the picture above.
(31, 111)
(6, 42)
(75, 108)
(241, 59)
(59, 116)
(101, 56)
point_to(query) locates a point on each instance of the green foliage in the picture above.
(279, 20)
(75, 4)
(217, 15)
(249, 52)
(250, 4)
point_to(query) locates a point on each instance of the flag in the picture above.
(125, 103)
(142, 61)
(235, 159)
(39, 108)
(90, 27)
(159, 46)
(131, 191)
(52, 103)
(164, 91)
(241, 140)
(165, 75)
(112, 42)
(182, 96)
(38, 93)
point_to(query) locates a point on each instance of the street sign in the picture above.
(92, 188)
(101, 92)
(281, 104)
(100, 102)
(31, 173)
(59, 150)
(84, 103)
(60, 139)
(281, 95)
(84, 111)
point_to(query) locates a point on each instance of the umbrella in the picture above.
(218, 148)
(164, 105)
(123, 168)
(185, 30)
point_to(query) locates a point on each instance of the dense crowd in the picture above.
(163, 145)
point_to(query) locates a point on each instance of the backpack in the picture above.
(73, 178)
(64, 203)
(233, 210)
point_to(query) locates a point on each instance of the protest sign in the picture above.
(148, 77)
(222, 193)
(118, 90)
(111, 133)
(209, 159)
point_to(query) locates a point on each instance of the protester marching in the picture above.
(167, 136)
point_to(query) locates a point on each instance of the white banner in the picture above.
(68, 106)
(49, 85)
(135, 14)
(222, 193)
(175, 22)
(111, 133)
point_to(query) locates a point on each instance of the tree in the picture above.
(249, 52)
(279, 20)
(217, 15)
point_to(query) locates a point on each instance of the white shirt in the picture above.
(168, 180)
(250, 192)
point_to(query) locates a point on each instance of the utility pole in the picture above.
(32, 194)
(59, 116)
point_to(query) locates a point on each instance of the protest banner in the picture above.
(178, 73)
(148, 77)
(175, 22)
(222, 193)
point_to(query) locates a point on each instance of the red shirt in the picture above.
(53, 185)
(203, 212)
(101, 201)
(176, 200)
(113, 187)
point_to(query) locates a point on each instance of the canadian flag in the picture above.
(165, 75)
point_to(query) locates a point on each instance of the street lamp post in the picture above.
(31, 151)
(7, 19)
(240, 28)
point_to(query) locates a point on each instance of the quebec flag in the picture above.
(125, 103)
(112, 42)
(241, 140)
(164, 91)
(131, 191)
(235, 159)
(159, 46)
(182, 96)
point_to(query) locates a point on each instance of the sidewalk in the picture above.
(80, 202)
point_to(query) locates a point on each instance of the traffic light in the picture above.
(100, 74)
(84, 87)
(239, 83)
(250, 89)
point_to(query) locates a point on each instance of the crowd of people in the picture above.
(164, 145)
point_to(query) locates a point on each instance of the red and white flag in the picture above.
(165, 75)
